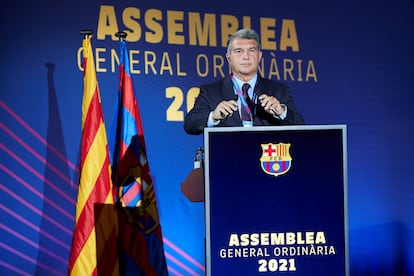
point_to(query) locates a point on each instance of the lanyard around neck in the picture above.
(241, 97)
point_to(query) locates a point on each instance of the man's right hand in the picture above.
(224, 109)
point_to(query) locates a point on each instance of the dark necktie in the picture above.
(245, 114)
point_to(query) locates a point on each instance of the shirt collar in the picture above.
(252, 82)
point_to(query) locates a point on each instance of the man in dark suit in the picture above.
(244, 98)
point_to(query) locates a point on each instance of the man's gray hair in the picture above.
(243, 34)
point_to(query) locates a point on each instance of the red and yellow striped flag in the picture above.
(94, 239)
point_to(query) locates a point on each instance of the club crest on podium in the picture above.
(275, 159)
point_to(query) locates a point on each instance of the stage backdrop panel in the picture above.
(346, 62)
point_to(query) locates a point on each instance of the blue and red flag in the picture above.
(140, 238)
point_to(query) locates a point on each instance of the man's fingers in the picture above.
(228, 107)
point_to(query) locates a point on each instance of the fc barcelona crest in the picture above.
(275, 159)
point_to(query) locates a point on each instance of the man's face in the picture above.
(244, 58)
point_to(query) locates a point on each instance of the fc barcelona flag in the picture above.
(140, 238)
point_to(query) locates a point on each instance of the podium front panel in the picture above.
(275, 200)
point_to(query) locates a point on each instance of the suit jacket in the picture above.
(222, 90)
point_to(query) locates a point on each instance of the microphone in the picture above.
(259, 108)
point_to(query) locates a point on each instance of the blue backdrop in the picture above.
(346, 63)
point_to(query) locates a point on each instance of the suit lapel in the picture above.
(261, 87)
(228, 90)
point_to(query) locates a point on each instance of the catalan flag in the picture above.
(140, 238)
(93, 254)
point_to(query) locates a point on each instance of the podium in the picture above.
(276, 200)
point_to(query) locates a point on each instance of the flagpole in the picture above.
(86, 33)
(121, 35)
